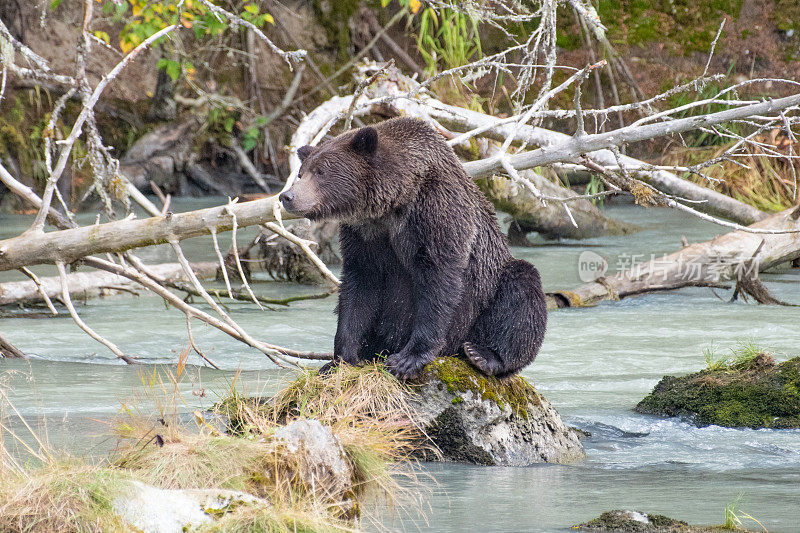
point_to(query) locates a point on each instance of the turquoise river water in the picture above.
(596, 364)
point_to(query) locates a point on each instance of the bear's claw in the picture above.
(403, 366)
(483, 358)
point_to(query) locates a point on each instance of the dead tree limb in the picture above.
(65, 297)
(711, 263)
(90, 283)
(73, 244)
(10, 351)
(175, 301)
(402, 95)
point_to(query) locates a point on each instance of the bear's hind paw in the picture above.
(484, 359)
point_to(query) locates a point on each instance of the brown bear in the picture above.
(426, 269)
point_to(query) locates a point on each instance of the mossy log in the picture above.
(755, 394)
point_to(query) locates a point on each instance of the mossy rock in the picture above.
(479, 419)
(636, 522)
(460, 376)
(754, 394)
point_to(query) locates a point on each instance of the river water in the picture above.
(595, 365)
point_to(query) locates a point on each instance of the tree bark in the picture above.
(710, 263)
(10, 351)
(73, 244)
(551, 219)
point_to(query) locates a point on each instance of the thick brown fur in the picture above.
(426, 269)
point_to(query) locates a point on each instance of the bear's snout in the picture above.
(286, 198)
(301, 198)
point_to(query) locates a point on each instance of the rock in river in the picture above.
(754, 393)
(479, 419)
(636, 522)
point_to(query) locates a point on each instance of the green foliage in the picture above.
(447, 38)
(741, 355)
(685, 26)
(143, 18)
(698, 138)
(595, 186)
(253, 134)
(786, 16)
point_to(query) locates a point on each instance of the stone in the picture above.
(321, 457)
(474, 418)
(754, 392)
(154, 510)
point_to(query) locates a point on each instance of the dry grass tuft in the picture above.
(64, 495)
(760, 179)
(365, 407)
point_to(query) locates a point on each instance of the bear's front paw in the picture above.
(403, 365)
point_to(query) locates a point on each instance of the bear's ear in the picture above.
(304, 151)
(365, 141)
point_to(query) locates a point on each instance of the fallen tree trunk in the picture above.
(550, 219)
(728, 257)
(73, 244)
(93, 283)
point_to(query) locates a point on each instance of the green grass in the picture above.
(742, 354)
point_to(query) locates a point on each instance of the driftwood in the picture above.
(8, 350)
(735, 255)
(285, 260)
(550, 219)
(73, 244)
(92, 283)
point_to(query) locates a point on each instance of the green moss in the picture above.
(755, 393)
(622, 521)
(461, 377)
(685, 26)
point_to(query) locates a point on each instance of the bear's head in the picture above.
(352, 177)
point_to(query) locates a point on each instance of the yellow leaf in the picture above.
(269, 18)
(126, 46)
(186, 23)
(415, 5)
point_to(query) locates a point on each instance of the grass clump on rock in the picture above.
(282, 470)
(747, 389)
